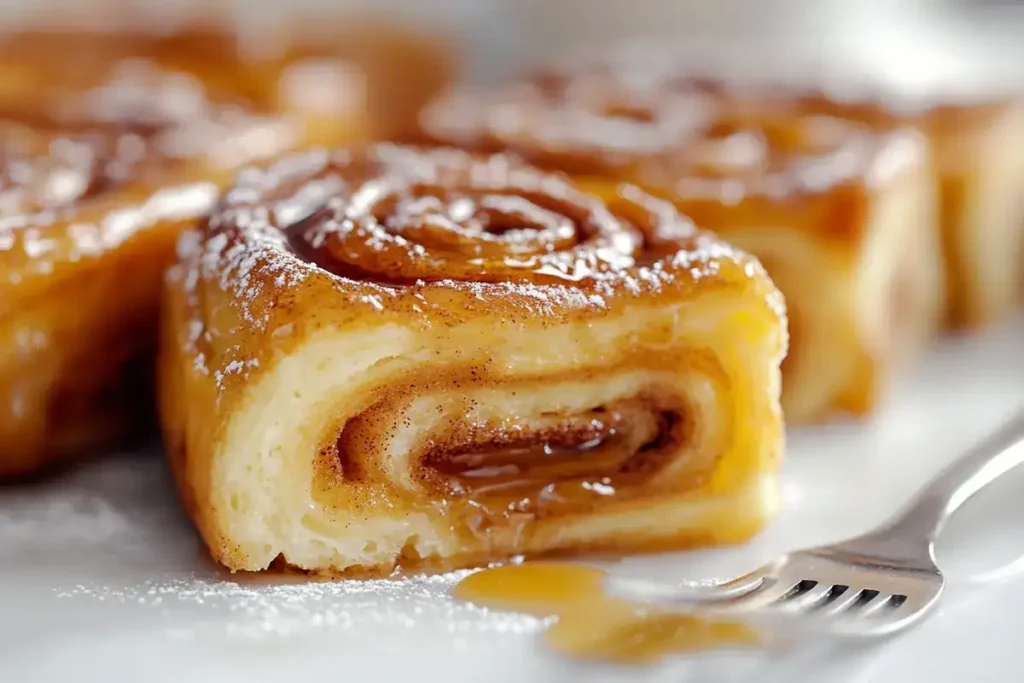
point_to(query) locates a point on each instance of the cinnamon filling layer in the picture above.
(601, 447)
(496, 475)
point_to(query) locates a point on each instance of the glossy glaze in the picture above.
(398, 216)
(973, 147)
(369, 77)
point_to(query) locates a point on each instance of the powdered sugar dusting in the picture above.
(274, 606)
(140, 126)
(232, 267)
(370, 208)
(110, 539)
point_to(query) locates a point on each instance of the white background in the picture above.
(959, 43)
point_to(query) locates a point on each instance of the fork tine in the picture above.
(841, 603)
(808, 599)
(876, 605)
(914, 604)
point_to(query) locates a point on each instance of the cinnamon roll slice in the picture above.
(95, 186)
(841, 215)
(387, 357)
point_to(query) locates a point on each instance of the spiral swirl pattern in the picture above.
(400, 215)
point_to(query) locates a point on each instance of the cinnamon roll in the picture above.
(386, 356)
(96, 181)
(360, 80)
(841, 215)
(206, 61)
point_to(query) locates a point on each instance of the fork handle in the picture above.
(996, 455)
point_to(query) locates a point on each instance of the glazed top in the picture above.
(434, 238)
(74, 61)
(399, 215)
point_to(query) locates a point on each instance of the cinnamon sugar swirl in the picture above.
(385, 356)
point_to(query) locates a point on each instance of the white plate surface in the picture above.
(101, 577)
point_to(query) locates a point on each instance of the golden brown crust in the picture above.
(425, 284)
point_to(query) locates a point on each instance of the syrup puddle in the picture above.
(592, 624)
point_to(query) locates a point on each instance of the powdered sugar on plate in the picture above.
(110, 542)
(264, 606)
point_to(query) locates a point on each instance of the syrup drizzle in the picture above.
(593, 625)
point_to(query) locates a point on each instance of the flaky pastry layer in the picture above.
(426, 360)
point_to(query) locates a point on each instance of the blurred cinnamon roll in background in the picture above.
(978, 157)
(842, 214)
(383, 356)
(359, 78)
(109, 145)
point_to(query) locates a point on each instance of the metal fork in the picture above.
(887, 579)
